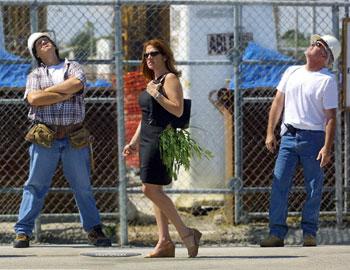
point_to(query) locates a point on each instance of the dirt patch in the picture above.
(143, 231)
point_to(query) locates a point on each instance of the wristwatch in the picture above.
(157, 96)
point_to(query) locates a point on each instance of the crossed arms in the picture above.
(56, 93)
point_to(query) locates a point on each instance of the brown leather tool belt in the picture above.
(63, 131)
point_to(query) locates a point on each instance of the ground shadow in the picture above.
(15, 256)
(325, 236)
(250, 257)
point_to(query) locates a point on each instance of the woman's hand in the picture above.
(129, 149)
(153, 88)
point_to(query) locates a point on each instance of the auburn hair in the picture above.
(165, 50)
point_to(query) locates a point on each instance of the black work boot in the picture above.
(272, 241)
(97, 238)
(21, 241)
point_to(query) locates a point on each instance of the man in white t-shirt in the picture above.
(308, 95)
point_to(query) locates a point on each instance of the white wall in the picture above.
(190, 26)
(104, 52)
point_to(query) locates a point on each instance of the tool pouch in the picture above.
(41, 135)
(79, 138)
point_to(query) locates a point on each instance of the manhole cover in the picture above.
(108, 253)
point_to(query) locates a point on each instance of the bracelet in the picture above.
(157, 96)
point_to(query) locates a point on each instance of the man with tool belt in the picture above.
(55, 93)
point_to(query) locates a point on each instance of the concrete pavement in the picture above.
(335, 257)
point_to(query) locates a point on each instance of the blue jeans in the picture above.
(303, 148)
(76, 168)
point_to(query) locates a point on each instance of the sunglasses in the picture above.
(318, 44)
(152, 54)
(322, 45)
(39, 42)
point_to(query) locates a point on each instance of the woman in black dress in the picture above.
(162, 98)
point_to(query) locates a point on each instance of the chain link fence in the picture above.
(231, 54)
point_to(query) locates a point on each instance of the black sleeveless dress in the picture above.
(154, 120)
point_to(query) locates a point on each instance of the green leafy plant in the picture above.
(177, 148)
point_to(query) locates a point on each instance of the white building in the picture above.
(198, 33)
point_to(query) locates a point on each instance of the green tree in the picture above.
(289, 38)
(84, 43)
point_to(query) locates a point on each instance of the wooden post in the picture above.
(220, 98)
(228, 199)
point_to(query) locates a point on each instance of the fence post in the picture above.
(346, 159)
(123, 221)
(338, 137)
(237, 115)
(34, 27)
(346, 146)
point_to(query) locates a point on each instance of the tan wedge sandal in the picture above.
(165, 250)
(191, 242)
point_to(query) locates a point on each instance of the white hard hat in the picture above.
(332, 43)
(34, 37)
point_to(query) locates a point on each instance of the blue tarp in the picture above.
(12, 75)
(257, 75)
(98, 83)
(15, 75)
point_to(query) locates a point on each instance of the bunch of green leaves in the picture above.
(177, 148)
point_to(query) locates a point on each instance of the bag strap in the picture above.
(161, 79)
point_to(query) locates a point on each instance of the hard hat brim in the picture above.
(33, 38)
(315, 37)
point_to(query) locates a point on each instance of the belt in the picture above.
(63, 131)
(291, 129)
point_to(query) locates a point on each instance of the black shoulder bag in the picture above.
(183, 121)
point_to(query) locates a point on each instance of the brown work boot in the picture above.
(97, 238)
(272, 241)
(309, 241)
(21, 241)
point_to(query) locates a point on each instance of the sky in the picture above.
(67, 21)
